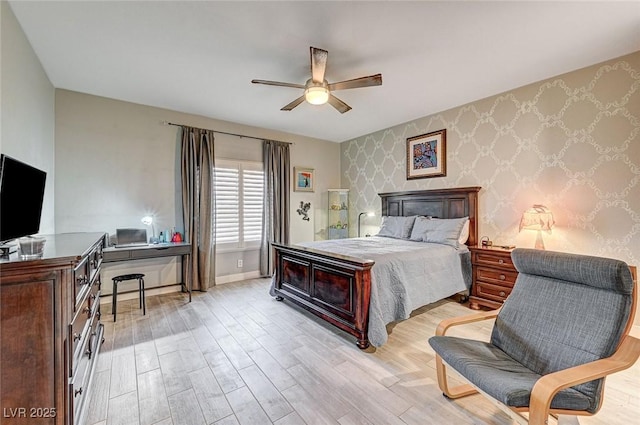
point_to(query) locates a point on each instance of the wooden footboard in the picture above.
(336, 288)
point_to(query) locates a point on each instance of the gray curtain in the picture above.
(275, 217)
(198, 204)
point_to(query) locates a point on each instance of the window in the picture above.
(239, 198)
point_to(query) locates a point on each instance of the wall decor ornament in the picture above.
(304, 210)
(303, 179)
(427, 155)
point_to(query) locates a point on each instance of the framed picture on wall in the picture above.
(303, 179)
(427, 155)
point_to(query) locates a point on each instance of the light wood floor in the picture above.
(237, 356)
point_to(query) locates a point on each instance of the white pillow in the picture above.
(396, 226)
(464, 233)
(446, 231)
(421, 227)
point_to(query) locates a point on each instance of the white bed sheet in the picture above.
(406, 275)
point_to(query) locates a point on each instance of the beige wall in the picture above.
(27, 108)
(117, 162)
(571, 143)
(108, 162)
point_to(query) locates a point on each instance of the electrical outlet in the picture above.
(240, 263)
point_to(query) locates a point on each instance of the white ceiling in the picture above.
(200, 57)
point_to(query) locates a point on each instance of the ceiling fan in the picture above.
(317, 90)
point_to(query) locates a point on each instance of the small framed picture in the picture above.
(303, 179)
(427, 155)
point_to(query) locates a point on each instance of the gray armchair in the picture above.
(563, 329)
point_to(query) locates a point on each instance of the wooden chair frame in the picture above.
(547, 386)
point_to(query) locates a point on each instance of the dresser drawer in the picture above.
(80, 381)
(94, 294)
(81, 281)
(94, 336)
(78, 329)
(492, 292)
(86, 273)
(496, 276)
(95, 261)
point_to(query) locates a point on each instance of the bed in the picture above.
(333, 279)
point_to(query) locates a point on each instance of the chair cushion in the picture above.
(598, 272)
(124, 277)
(499, 375)
(564, 310)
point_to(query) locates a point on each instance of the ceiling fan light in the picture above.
(316, 95)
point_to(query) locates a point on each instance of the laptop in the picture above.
(126, 238)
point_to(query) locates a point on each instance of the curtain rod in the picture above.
(224, 132)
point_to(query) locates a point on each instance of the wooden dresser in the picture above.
(493, 277)
(50, 330)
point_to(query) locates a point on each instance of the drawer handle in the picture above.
(502, 277)
(76, 336)
(77, 392)
(501, 261)
(502, 293)
(86, 310)
(82, 280)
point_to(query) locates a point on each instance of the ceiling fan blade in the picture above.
(293, 104)
(277, 83)
(371, 80)
(318, 64)
(338, 104)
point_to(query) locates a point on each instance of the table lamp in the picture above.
(537, 218)
(368, 214)
(147, 220)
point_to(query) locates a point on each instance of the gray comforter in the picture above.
(406, 275)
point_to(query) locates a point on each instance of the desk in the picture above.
(172, 249)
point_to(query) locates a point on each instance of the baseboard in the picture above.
(221, 280)
(148, 292)
(167, 289)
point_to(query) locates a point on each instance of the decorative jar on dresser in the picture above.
(50, 330)
(493, 276)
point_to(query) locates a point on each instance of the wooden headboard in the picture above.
(440, 203)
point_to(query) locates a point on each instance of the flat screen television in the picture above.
(21, 195)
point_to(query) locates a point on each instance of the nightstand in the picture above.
(493, 276)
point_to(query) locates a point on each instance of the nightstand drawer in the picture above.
(494, 259)
(496, 276)
(492, 292)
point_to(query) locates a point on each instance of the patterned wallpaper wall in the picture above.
(571, 143)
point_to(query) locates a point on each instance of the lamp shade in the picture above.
(148, 221)
(316, 95)
(537, 217)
